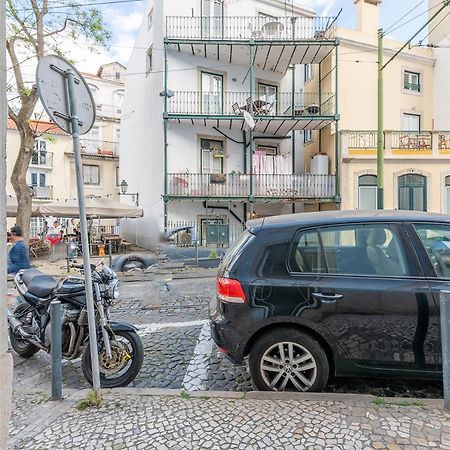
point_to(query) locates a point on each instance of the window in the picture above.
(94, 90)
(367, 192)
(308, 72)
(307, 255)
(150, 19)
(118, 98)
(307, 136)
(411, 122)
(38, 179)
(268, 94)
(411, 81)
(212, 93)
(117, 176)
(361, 249)
(91, 174)
(412, 192)
(118, 75)
(212, 155)
(436, 239)
(447, 194)
(39, 157)
(212, 11)
(149, 61)
(37, 226)
(92, 142)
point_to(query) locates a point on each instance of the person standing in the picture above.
(18, 256)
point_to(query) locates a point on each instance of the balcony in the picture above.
(42, 192)
(42, 159)
(396, 143)
(99, 148)
(298, 110)
(108, 111)
(244, 28)
(265, 186)
(277, 42)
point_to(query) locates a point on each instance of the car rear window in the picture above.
(235, 251)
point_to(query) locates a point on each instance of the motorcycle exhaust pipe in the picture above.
(16, 325)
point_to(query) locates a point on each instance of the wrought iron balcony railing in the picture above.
(100, 148)
(397, 142)
(39, 158)
(240, 28)
(264, 185)
(108, 111)
(42, 192)
(283, 104)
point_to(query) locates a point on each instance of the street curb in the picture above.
(400, 402)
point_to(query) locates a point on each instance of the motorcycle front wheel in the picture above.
(124, 365)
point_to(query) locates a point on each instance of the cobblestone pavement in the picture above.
(135, 420)
(170, 307)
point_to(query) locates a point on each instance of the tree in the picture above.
(34, 29)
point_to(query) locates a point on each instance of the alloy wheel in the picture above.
(288, 365)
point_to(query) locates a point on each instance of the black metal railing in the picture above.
(251, 27)
(235, 103)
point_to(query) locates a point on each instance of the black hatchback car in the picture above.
(343, 293)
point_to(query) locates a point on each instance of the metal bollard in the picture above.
(56, 349)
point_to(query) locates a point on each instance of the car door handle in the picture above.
(327, 298)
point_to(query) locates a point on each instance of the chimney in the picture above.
(367, 16)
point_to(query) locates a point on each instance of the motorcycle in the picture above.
(120, 349)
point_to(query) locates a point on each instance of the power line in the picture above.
(415, 17)
(106, 2)
(405, 15)
(429, 32)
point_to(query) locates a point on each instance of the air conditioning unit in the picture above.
(270, 151)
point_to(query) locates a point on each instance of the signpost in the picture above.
(69, 103)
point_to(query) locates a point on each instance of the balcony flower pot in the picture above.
(217, 178)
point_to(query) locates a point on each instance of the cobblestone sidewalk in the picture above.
(149, 419)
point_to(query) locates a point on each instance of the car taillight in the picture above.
(230, 291)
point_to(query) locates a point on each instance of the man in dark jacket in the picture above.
(18, 256)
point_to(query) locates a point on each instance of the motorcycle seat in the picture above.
(38, 284)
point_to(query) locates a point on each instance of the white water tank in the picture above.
(319, 164)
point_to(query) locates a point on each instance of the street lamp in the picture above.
(124, 189)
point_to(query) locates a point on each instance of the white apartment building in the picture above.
(200, 73)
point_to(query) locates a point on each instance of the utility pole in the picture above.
(380, 127)
(6, 365)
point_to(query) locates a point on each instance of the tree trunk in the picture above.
(19, 178)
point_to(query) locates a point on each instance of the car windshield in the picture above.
(235, 250)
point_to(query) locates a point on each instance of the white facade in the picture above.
(142, 130)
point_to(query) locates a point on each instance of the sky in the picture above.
(124, 21)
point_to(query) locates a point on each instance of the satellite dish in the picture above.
(249, 121)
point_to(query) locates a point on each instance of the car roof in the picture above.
(342, 217)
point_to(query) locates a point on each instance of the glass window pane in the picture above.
(447, 193)
(436, 239)
(367, 197)
(307, 255)
(418, 198)
(372, 249)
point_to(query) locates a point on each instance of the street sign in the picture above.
(69, 103)
(52, 90)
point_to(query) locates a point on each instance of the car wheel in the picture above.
(288, 360)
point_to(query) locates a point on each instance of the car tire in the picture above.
(288, 359)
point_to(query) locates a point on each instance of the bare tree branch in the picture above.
(16, 66)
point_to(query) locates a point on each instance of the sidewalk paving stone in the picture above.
(148, 419)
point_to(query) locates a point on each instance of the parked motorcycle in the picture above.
(121, 352)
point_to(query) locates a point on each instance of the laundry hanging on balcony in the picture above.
(267, 164)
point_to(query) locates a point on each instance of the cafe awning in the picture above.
(96, 207)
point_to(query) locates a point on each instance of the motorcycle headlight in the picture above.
(113, 291)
